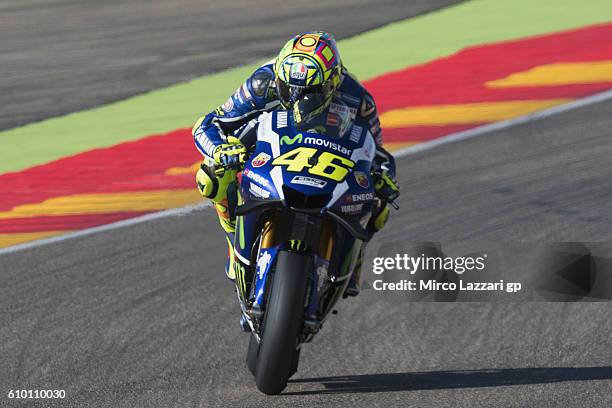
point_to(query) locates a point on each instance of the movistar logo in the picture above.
(286, 140)
(328, 144)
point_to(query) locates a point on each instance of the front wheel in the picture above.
(283, 322)
(252, 353)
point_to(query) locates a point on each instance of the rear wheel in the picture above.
(283, 322)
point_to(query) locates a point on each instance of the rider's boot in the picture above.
(377, 222)
(354, 286)
(214, 186)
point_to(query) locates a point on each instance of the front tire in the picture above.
(252, 353)
(283, 322)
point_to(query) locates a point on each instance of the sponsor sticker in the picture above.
(286, 140)
(281, 119)
(355, 198)
(332, 119)
(262, 263)
(362, 179)
(309, 181)
(228, 105)
(351, 208)
(356, 134)
(349, 98)
(298, 71)
(258, 191)
(261, 159)
(259, 179)
(245, 92)
(343, 110)
(328, 144)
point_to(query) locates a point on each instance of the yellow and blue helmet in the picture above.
(309, 63)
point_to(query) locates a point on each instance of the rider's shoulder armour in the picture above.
(259, 87)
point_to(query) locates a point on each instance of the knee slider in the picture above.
(207, 182)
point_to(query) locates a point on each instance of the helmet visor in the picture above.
(308, 107)
(289, 94)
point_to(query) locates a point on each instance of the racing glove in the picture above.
(230, 155)
(386, 186)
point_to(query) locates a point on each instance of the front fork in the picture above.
(269, 244)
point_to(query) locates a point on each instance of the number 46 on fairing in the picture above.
(325, 164)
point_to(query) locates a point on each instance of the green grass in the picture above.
(370, 54)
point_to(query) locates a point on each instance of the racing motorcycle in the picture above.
(304, 203)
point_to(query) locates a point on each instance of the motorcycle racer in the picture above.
(308, 65)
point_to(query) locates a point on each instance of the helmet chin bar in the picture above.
(308, 107)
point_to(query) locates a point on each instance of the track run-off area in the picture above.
(136, 157)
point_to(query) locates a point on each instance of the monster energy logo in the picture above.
(240, 273)
(297, 245)
(286, 140)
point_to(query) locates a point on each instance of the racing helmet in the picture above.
(309, 63)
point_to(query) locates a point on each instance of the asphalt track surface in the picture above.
(61, 56)
(143, 316)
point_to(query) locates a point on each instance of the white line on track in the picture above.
(454, 137)
(505, 124)
(173, 212)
